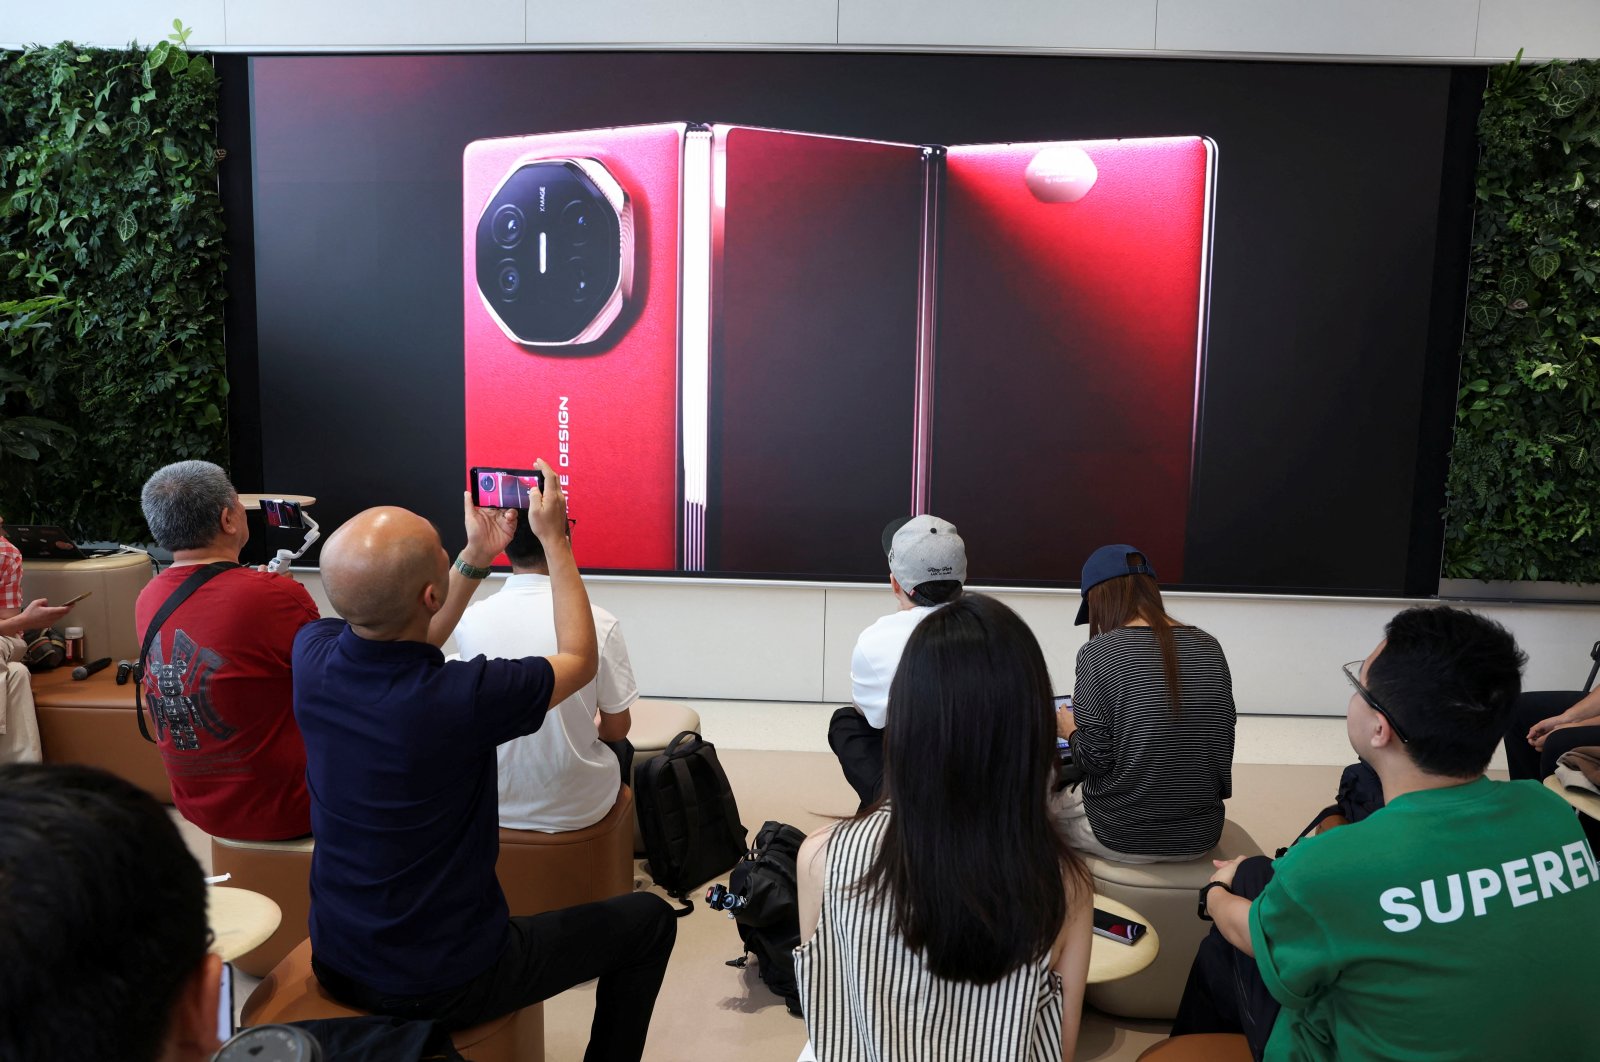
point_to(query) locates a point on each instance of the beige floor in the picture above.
(709, 1012)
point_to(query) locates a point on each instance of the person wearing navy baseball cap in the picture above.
(1151, 722)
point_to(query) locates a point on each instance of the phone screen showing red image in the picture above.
(1071, 309)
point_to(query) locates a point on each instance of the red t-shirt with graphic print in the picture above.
(217, 686)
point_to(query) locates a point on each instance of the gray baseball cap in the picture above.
(924, 549)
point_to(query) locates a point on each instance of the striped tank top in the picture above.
(868, 998)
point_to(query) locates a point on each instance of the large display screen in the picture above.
(750, 307)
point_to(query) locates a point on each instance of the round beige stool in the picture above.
(652, 726)
(1582, 800)
(280, 870)
(291, 992)
(1112, 960)
(1165, 892)
(239, 920)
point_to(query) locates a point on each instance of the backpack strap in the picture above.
(197, 578)
(684, 780)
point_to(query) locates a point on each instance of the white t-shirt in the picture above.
(877, 656)
(561, 776)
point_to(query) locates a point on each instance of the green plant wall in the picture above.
(1524, 486)
(111, 241)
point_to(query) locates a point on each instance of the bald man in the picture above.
(407, 918)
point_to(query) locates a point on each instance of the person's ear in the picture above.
(434, 595)
(232, 521)
(192, 1034)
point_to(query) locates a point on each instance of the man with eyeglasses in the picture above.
(1457, 921)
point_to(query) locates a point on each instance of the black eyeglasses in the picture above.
(1351, 670)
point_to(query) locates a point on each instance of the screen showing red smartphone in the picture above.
(571, 304)
(1070, 348)
(504, 488)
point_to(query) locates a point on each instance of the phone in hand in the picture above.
(74, 601)
(1114, 927)
(504, 488)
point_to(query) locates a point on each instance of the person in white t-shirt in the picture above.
(565, 775)
(927, 567)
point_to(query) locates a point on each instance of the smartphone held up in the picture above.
(504, 488)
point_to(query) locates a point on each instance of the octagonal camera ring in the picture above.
(594, 173)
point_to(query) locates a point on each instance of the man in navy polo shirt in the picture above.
(407, 918)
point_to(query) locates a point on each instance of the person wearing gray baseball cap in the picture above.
(927, 568)
(1151, 722)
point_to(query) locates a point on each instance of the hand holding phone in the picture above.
(74, 601)
(549, 518)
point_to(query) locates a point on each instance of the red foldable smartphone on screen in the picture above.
(571, 303)
(740, 343)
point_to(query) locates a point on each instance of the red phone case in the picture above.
(601, 405)
(1069, 353)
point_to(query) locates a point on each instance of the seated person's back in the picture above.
(562, 776)
(407, 915)
(1457, 921)
(1445, 911)
(1151, 724)
(216, 682)
(951, 921)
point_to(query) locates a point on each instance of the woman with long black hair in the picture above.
(1151, 722)
(950, 920)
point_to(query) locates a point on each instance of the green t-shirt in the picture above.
(1454, 923)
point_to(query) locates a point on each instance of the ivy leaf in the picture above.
(1544, 263)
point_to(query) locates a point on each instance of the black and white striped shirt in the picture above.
(868, 998)
(1154, 782)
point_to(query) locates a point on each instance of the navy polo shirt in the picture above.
(400, 766)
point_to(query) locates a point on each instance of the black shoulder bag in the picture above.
(197, 578)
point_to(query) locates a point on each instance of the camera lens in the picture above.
(507, 226)
(487, 484)
(577, 221)
(510, 279)
(578, 280)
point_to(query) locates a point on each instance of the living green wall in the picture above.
(111, 241)
(1524, 486)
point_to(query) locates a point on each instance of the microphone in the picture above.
(83, 671)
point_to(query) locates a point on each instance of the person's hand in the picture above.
(41, 613)
(549, 519)
(488, 532)
(1545, 727)
(1226, 868)
(1066, 723)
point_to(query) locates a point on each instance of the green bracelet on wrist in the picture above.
(471, 571)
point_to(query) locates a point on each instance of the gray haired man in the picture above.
(216, 680)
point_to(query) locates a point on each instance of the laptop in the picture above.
(42, 542)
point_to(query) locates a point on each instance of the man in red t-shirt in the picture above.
(217, 681)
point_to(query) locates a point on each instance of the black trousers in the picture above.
(624, 941)
(1225, 992)
(859, 746)
(1522, 759)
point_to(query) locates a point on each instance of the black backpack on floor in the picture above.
(687, 816)
(765, 904)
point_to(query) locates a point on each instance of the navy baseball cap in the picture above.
(1109, 562)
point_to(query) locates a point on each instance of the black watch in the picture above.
(1207, 887)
